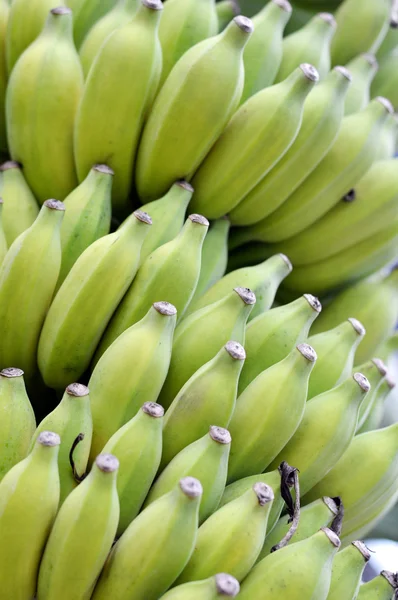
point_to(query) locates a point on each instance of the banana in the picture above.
(138, 447)
(386, 351)
(386, 78)
(227, 174)
(70, 418)
(348, 566)
(171, 272)
(154, 549)
(193, 410)
(4, 14)
(28, 276)
(87, 217)
(325, 432)
(202, 334)
(20, 208)
(184, 24)
(336, 352)
(390, 41)
(389, 138)
(25, 525)
(76, 320)
(268, 413)
(207, 460)
(323, 113)
(231, 539)
(218, 586)
(3, 241)
(82, 535)
(117, 97)
(41, 104)
(376, 413)
(121, 14)
(301, 570)
(272, 335)
(226, 10)
(309, 44)
(264, 279)
(85, 14)
(351, 155)
(149, 341)
(383, 587)
(363, 69)
(217, 65)
(263, 53)
(376, 371)
(18, 422)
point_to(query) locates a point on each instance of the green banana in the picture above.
(361, 27)
(264, 279)
(309, 44)
(154, 549)
(323, 113)
(213, 588)
(20, 208)
(149, 341)
(301, 570)
(263, 53)
(348, 566)
(376, 412)
(336, 352)
(3, 241)
(226, 10)
(120, 14)
(70, 418)
(390, 41)
(18, 422)
(171, 272)
(138, 447)
(194, 409)
(41, 104)
(117, 97)
(207, 460)
(363, 68)
(217, 64)
(268, 413)
(386, 78)
(387, 349)
(202, 334)
(325, 432)
(4, 14)
(351, 155)
(272, 335)
(231, 539)
(376, 371)
(104, 270)
(85, 14)
(383, 587)
(389, 138)
(227, 174)
(28, 275)
(25, 526)
(184, 24)
(87, 218)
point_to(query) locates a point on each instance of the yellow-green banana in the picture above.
(386, 79)
(217, 65)
(219, 586)
(155, 548)
(382, 587)
(226, 11)
(348, 566)
(4, 14)
(76, 319)
(41, 104)
(363, 68)
(20, 208)
(390, 41)
(376, 412)
(376, 371)
(85, 14)
(389, 138)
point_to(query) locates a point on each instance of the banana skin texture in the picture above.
(363, 69)
(383, 587)
(385, 80)
(376, 412)
(376, 371)
(219, 586)
(348, 566)
(85, 15)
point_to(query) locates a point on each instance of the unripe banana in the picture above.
(301, 570)
(171, 272)
(390, 41)
(184, 24)
(4, 14)
(3, 241)
(348, 566)
(268, 413)
(227, 174)
(363, 68)
(41, 103)
(217, 64)
(76, 320)
(383, 587)
(21, 208)
(121, 14)
(325, 432)
(226, 11)
(29, 496)
(138, 447)
(87, 218)
(18, 422)
(376, 412)
(322, 116)
(336, 352)
(263, 53)
(213, 588)
(387, 349)
(272, 335)
(375, 371)
(150, 342)
(389, 138)
(202, 334)
(70, 418)
(154, 549)
(28, 275)
(231, 539)
(117, 97)
(85, 14)
(193, 410)
(386, 78)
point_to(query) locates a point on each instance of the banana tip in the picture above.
(153, 409)
(143, 217)
(107, 463)
(308, 352)
(344, 72)
(103, 169)
(199, 219)
(227, 585)
(386, 103)
(287, 261)
(235, 350)
(314, 302)
(380, 365)
(49, 438)
(78, 390)
(328, 18)
(371, 59)
(54, 204)
(244, 23)
(362, 381)
(284, 5)
(357, 325)
(10, 164)
(333, 537)
(191, 487)
(310, 72)
(61, 10)
(11, 372)
(165, 308)
(363, 549)
(184, 185)
(220, 435)
(153, 4)
(246, 295)
(264, 493)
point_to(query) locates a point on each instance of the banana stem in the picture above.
(287, 474)
(78, 478)
(337, 522)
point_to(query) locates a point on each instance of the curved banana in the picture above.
(386, 79)
(376, 371)
(348, 566)
(383, 587)
(390, 41)
(363, 69)
(226, 10)
(389, 138)
(85, 14)
(376, 412)
(20, 208)
(213, 588)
